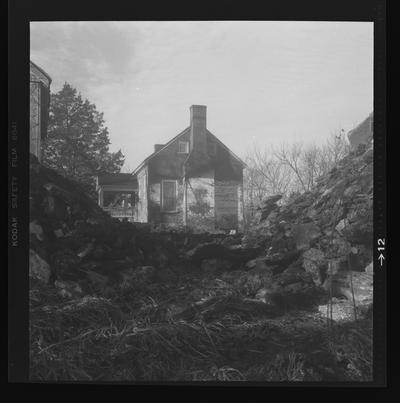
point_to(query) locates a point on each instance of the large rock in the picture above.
(214, 266)
(281, 260)
(259, 263)
(68, 289)
(268, 205)
(38, 268)
(36, 230)
(237, 254)
(315, 264)
(305, 234)
(97, 280)
(370, 268)
(362, 286)
(65, 263)
(294, 288)
(341, 310)
(255, 279)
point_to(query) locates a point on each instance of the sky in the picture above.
(263, 82)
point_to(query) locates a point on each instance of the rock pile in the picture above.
(115, 301)
(78, 248)
(327, 232)
(319, 244)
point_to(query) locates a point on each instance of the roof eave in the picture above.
(42, 71)
(229, 150)
(142, 164)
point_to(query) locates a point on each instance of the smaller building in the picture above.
(39, 107)
(362, 133)
(117, 194)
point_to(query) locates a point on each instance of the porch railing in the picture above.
(119, 212)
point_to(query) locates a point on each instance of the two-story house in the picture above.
(193, 180)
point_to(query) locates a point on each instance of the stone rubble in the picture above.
(299, 253)
(143, 300)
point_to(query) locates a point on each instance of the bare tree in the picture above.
(335, 148)
(293, 158)
(290, 168)
(265, 176)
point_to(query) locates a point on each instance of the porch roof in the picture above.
(119, 179)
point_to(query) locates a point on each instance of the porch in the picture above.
(118, 195)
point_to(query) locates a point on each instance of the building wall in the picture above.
(39, 84)
(209, 190)
(142, 210)
(200, 202)
(167, 165)
(228, 191)
(228, 205)
(34, 119)
(156, 215)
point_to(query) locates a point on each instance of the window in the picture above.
(168, 195)
(183, 147)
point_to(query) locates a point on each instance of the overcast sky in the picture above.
(262, 82)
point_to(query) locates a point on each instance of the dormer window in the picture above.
(183, 147)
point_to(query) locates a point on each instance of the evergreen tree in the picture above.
(77, 144)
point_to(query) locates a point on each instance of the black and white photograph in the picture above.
(201, 201)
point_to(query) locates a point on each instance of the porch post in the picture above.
(100, 197)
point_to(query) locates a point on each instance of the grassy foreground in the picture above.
(144, 333)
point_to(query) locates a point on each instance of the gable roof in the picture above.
(145, 161)
(228, 149)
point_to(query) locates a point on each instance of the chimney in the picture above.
(198, 138)
(158, 147)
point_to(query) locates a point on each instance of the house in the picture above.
(39, 107)
(193, 180)
(362, 133)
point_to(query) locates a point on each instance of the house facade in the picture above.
(193, 180)
(39, 107)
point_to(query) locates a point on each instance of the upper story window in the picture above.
(183, 147)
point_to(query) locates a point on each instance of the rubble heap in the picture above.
(325, 234)
(78, 248)
(132, 302)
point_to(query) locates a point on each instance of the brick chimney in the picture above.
(198, 138)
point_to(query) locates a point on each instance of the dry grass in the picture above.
(134, 337)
